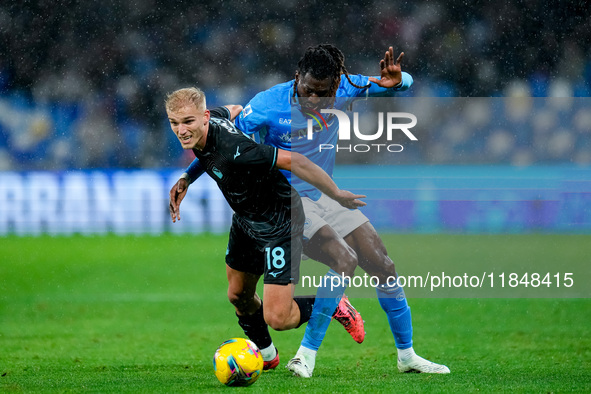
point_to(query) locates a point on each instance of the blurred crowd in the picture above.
(82, 84)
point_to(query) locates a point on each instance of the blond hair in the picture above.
(182, 97)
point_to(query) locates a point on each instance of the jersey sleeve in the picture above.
(194, 171)
(261, 157)
(253, 117)
(376, 91)
(220, 112)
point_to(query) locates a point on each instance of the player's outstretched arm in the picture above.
(179, 190)
(177, 193)
(390, 70)
(307, 171)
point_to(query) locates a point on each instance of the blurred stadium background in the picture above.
(85, 146)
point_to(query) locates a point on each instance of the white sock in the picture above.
(309, 353)
(405, 354)
(269, 353)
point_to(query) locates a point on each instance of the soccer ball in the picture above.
(238, 362)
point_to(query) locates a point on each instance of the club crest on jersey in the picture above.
(217, 172)
(320, 121)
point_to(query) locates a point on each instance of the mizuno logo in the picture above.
(237, 153)
(275, 273)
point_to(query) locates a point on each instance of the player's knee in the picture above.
(346, 261)
(278, 320)
(277, 324)
(280, 315)
(385, 268)
(389, 267)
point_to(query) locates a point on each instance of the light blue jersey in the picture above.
(277, 118)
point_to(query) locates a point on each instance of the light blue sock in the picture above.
(393, 302)
(327, 300)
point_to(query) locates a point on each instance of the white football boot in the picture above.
(302, 365)
(419, 365)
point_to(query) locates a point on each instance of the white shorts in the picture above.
(328, 211)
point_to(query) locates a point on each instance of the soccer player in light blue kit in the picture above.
(340, 238)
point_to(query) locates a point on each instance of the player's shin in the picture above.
(305, 304)
(393, 302)
(256, 329)
(327, 300)
(328, 297)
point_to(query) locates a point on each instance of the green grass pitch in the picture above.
(145, 314)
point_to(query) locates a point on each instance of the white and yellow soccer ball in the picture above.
(238, 362)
